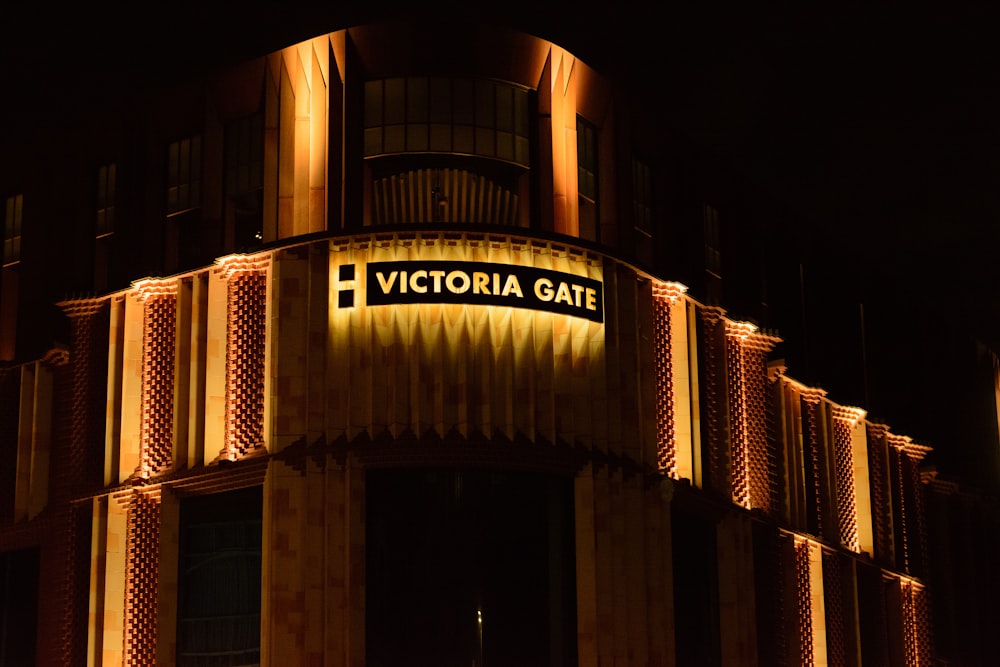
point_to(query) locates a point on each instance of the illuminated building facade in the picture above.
(413, 386)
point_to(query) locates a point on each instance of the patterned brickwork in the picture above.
(664, 296)
(70, 577)
(245, 337)
(713, 349)
(844, 420)
(68, 633)
(878, 463)
(910, 457)
(834, 596)
(142, 572)
(900, 511)
(245, 363)
(158, 334)
(919, 620)
(758, 461)
(736, 394)
(777, 482)
(814, 461)
(803, 603)
(88, 384)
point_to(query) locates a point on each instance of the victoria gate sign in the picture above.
(480, 283)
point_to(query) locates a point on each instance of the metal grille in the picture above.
(443, 195)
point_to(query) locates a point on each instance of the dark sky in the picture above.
(878, 129)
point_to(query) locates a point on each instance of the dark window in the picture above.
(440, 115)
(642, 197)
(587, 184)
(586, 147)
(12, 230)
(219, 578)
(104, 219)
(18, 607)
(184, 175)
(244, 170)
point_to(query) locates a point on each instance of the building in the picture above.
(382, 359)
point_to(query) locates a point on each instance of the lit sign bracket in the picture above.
(487, 284)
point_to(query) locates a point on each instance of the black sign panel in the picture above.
(482, 283)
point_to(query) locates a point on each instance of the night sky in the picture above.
(878, 131)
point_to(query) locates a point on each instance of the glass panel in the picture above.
(416, 137)
(395, 101)
(416, 102)
(464, 107)
(521, 155)
(521, 112)
(485, 142)
(463, 139)
(373, 140)
(440, 101)
(373, 103)
(395, 139)
(440, 138)
(505, 108)
(485, 104)
(505, 146)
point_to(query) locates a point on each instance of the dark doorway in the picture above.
(18, 607)
(470, 568)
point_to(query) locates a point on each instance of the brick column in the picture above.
(844, 420)
(754, 472)
(159, 299)
(664, 296)
(246, 321)
(142, 559)
(86, 393)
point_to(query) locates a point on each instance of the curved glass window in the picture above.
(442, 115)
